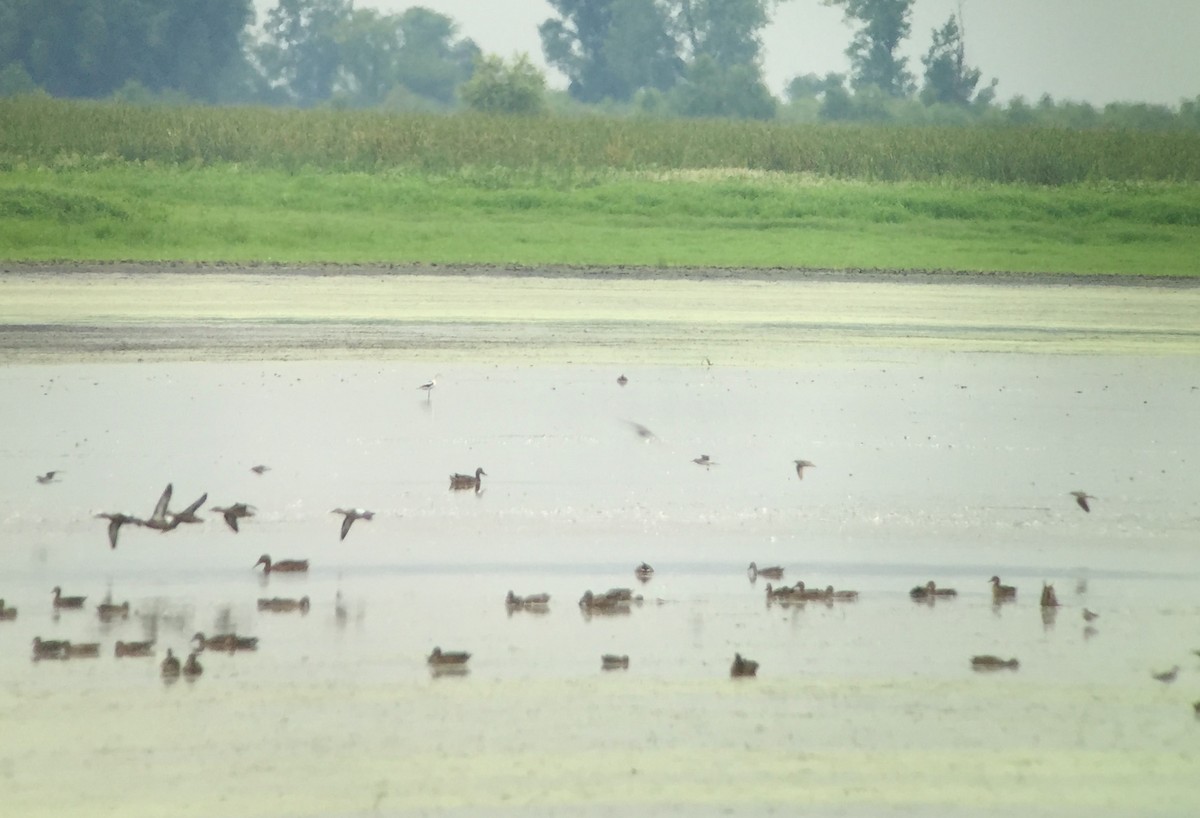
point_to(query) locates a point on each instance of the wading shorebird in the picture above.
(285, 566)
(48, 477)
(61, 601)
(234, 513)
(429, 386)
(704, 460)
(115, 521)
(1082, 497)
(801, 465)
(743, 667)
(349, 515)
(458, 482)
(1000, 592)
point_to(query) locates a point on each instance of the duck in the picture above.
(163, 520)
(222, 641)
(86, 650)
(192, 667)
(245, 642)
(611, 661)
(622, 380)
(801, 465)
(108, 611)
(282, 605)
(1049, 598)
(285, 566)
(49, 648)
(989, 662)
(458, 482)
(1081, 499)
(643, 571)
(170, 666)
(115, 521)
(136, 649)
(349, 515)
(782, 594)
(233, 513)
(188, 515)
(604, 603)
(260, 469)
(770, 572)
(1002, 592)
(530, 601)
(48, 477)
(704, 460)
(440, 657)
(805, 593)
(7, 614)
(743, 667)
(841, 596)
(930, 591)
(1167, 676)
(1090, 616)
(71, 602)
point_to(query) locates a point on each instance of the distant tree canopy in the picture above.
(498, 87)
(612, 49)
(948, 78)
(882, 26)
(91, 48)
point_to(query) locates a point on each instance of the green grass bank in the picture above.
(93, 181)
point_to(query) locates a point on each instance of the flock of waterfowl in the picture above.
(616, 600)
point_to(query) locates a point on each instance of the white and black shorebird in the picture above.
(350, 515)
(1082, 497)
(801, 465)
(429, 386)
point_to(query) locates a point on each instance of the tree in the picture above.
(726, 31)
(883, 25)
(948, 78)
(90, 48)
(498, 87)
(301, 52)
(608, 49)
(713, 90)
(432, 63)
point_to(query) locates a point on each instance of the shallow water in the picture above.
(930, 465)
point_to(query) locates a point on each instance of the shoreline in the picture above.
(598, 272)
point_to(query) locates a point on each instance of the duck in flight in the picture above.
(48, 477)
(1082, 497)
(115, 521)
(801, 465)
(234, 513)
(350, 515)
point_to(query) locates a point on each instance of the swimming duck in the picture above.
(459, 482)
(1002, 592)
(1168, 676)
(802, 592)
(49, 648)
(349, 515)
(1049, 598)
(530, 601)
(438, 657)
(87, 650)
(260, 469)
(1081, 498)
(643, 571)
(801, 465)
(115, 521)
(988, 662)
(286, 566)
(192, 667)
(108, 611)
(222, 641)
(610, 661)
(841, 596)
(609, 602)
(743, 667)
(170, 666)
(783, 594)
(61, 601)
(622, 380)
(48, 477)
(245, 642)
(283, 605)
(930, 591)
(1090, 616)
(136, 649)
(770, 572)
(234, 513)
(7, 614)
(704, 460)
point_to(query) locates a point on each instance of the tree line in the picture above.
(685, 58)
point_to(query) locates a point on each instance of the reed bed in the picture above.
(44, 132)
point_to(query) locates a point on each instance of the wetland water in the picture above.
(948, 422)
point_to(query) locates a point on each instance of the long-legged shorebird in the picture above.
(1082, 497)
(350, 515)
(704, 460)
(115, 521)
(233, 513)
(429, 386)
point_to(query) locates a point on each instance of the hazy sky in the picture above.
(1097, 51)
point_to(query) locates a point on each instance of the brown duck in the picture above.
(1001, 593)
(743, 667)
(284, 566)
(459, 482)
(69, 602)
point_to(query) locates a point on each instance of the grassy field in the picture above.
(83, 181)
